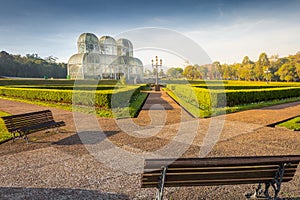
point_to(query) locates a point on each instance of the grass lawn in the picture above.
(293, 124)
(4, 134)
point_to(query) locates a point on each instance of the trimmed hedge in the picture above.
(206, 99)
(237, 97)
(77, 87)
(121, 96)
(237, 87)
(5, 82)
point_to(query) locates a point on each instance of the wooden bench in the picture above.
(23, 124)
(267, 170)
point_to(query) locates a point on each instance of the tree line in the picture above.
(31, 66)
(265, 68)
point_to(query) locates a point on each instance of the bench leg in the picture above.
(266, 192)
(259, 192)
(14, 136)
(26, 138)
(276, 185)
(161, 184)
(20, 136)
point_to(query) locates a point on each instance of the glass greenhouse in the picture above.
(104, 58)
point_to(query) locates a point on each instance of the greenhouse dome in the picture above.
(104, 58)
(88, 43)
(108, 45)
(125, 47)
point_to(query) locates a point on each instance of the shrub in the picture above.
(99, 98)
(206, 99)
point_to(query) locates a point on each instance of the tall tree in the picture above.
(218, 70)
(202, 71)
(191, 72)
(30, 66)
(287, 72)
(246, 61)
(161, 73)
(261, 66)
(174, 72)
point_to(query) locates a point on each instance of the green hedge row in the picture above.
(237, 87)
(104, 99)
(238, 97)
(198, 97)
(4, 82)
(77, 87)
(206, 99)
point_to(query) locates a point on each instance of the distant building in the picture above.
(104, 58)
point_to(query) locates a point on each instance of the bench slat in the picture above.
(216, 169)
(26, 114)
(211, 182)
(30, 122)
(220, 161)
(216, 176)
(17, 121)
(42, 126)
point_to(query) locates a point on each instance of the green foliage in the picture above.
(4, 134)
(293, 124)
(287, 72)
(161, 73)
(238, 97)
(86, 96)
(191, 72)
(30, 66)
(133, 107)
(175, 72)
(264, 69)
(98, 98)
(53, 83)
(211, 98)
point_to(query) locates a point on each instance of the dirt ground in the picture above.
(95, 158)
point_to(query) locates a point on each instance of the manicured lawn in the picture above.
(4, 134)
(293, 124)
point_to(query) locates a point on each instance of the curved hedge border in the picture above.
(206, 99)
(89, 98)
(238, 87)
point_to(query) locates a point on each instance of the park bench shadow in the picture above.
(80, 137)
(56, 193)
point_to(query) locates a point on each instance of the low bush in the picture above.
(5, 82)
(206, 99)
(237, 87)
(100, 98)
(4, 134)
(237, 97)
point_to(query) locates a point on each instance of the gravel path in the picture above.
(87, 165)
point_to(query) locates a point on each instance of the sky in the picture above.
(226, 30)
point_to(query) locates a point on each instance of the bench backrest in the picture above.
(15, 122)
(219, 170)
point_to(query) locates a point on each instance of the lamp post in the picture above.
(155, 66)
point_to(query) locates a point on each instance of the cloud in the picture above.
(230, 43)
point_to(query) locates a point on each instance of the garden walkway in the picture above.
(59, 166)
